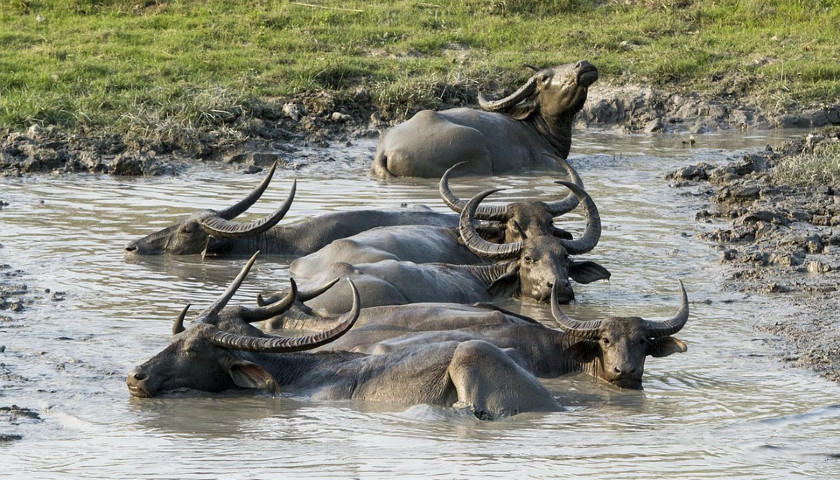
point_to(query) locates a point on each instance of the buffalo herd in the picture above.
(398, 305)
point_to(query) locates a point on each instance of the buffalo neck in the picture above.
(291, 369)
(556, 131)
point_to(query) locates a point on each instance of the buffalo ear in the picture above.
(250, 375)
(588, 272)
(506, 284)
(522, 110)
(583, 352)
(662, 347)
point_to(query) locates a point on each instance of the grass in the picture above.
(820, 167)
(132, 65)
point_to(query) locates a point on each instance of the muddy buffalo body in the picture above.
(214, 232)
(221, 350)
(504, 135)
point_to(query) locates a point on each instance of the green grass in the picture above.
(129, 65)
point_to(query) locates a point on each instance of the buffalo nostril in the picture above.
(139, 376)
(616, 370)
(579, 64)
(130, 248)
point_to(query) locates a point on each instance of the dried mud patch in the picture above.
(781, 240)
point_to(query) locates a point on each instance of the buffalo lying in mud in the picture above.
(221, 351)
(612, 349)
(213, 232)
(528, 268)
(518, 219)
(429, 244)
(505, 135)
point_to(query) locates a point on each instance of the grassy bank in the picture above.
(139, 65)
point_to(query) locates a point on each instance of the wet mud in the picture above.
(778, 239)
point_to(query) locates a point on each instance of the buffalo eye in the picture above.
(605, 341)
(528, 259)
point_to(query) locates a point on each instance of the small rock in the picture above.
(340, 117)
(292, 111)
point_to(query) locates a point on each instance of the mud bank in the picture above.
(782, 240)
(276, 129)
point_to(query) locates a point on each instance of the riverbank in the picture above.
(322, 119)
(778, 233)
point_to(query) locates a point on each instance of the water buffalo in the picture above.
(505, 135)
(511, 222)
(221, 351)
(410, 243)
(212, 232)
(527, 268)
(612, 349)
(428, 244)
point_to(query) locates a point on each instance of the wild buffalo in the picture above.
(429, 244)
(213, 232)
(221, 351)
(528, 268)
(513, 221)
(612, 349)
(505, 135)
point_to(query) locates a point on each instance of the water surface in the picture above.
(728, 408)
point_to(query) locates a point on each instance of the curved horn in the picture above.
(474, 242)
(234, 211)
(532, 67)
(593, 223)
(571, 201)
(303, 296)
(276, 344)
(219, 227)
(496, 212)
(263, 312)
(588, 330)
(663, 328)
(220, 303)
(506, 103)
(178, 326)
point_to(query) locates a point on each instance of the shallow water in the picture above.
(728, 408)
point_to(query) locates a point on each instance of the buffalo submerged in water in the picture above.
(505, 135)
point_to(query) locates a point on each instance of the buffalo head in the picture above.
(550, 99)
(519, 219)
(618, 346)
(542, 262)
(208, 355)
(196, 233)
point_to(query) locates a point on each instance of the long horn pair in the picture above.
(302, 295)
(507, 250)
(221, 226)
(500, 213)
(220, 303)
(277, 344)
(268, 344)
(591, 329)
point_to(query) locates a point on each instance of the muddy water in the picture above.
(728, 408)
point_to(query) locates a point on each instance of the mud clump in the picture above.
(779, 238)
